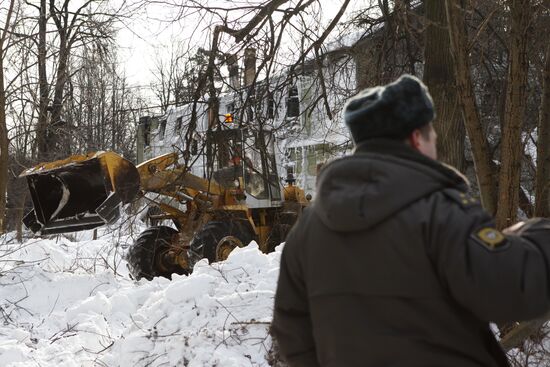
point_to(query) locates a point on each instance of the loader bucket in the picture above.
(80, 192)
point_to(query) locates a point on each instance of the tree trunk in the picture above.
(468, 105)
(19, 214)
(4, 142)
(4, 154)
(42, 125)
(57, 133)
(113, 113)
(438, 75)
(516, 97)
(542, 204)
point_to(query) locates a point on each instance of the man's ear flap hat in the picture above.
(390, 111)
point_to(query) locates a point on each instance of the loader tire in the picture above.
(144, 256)
(206, 240)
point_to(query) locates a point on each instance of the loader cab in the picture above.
(246, 157)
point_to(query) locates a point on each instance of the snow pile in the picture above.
(71, 303)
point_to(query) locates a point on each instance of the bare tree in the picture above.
(34, 53)
(99, 102)
(439, 77)
(265, 28)
(168, 74)
(468, 104)
(177, 75)
(516, 96)
(74, 25)
(42, 124)
(4, 142)
(542, 207)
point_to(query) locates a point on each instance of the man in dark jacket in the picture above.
(394, 264)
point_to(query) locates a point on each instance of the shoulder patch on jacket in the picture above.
(490, 238)
(463, 199)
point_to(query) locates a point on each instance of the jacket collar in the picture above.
(401, 150)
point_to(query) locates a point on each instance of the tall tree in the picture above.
(74, 24)
(542, 207)
(4, 142)
(516, 97)
(439, 77)
(97, 101)
(43, 86)
(468, 104)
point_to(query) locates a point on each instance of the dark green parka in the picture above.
(395, 265)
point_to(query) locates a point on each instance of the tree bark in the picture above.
(4, 154)
(42, 125)
(468, 105)
(19, 214)
(516, 97)
(56, 131)
(438, 75)
(542, 203)
(4, 142)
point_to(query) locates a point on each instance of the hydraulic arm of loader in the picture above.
(80, 192)
(162, 175)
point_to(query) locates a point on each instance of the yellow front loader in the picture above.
(238, 204)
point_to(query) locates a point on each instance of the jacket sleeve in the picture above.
(499, 276)
(291, 325)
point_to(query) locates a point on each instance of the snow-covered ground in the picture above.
(68, 301)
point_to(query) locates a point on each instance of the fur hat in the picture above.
(391, 111)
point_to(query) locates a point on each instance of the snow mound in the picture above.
(70, 302)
